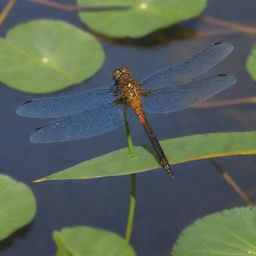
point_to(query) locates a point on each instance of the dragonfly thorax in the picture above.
(128, 89)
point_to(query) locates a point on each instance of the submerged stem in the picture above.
(130, 220)
(228, 24)
(6, 10)
(231, 182)
(69, 7)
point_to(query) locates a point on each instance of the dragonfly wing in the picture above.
(192, 67)
(66, 105)
(83, 125)
(171, 99)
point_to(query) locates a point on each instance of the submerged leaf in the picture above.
(226, 233)
(17, 205)
(82, 241)
(251, 63)
(46, 55)
(178, 150)
(142, 18)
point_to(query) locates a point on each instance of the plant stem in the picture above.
(69, 7)
(130, 220)
(223, 103)
(228, 24)
(6, 10)
(232, 182)
(128, 135)
(132, 206)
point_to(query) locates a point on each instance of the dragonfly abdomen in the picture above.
(163, 161)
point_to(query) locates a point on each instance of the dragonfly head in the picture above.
(119, 72)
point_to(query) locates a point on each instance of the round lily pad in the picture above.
(231, 232)
(143, 17)
(251, 63)
(43, 56)
(17, 206)
(81, 241)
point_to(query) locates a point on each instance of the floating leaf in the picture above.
(43, 56)
(82, 241)
(178, 150)
(17, 206)
(142, 18)
(251, 63)
(231, 232)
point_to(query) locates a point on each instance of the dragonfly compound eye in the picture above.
(116, 74)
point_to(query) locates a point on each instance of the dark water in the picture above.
(164, 207)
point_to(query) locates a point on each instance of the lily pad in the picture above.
(17, 205)
(43, 56)
(142, 18)
(231, 232)
(178, 150)
(251, 63)
(83, 241)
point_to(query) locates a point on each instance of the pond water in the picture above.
(164, 206)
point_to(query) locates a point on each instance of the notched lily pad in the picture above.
(251, 63)
(231, 232)
(142, 18)
(17, 206)
(83, 241)
(43, 56)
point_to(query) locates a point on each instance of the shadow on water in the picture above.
(19, 234)
(160, 37)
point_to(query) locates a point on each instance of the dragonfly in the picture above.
(100, 110)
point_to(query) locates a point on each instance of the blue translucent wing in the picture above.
(192, 67)
(171, 99)
(83, 125)
(66, 105)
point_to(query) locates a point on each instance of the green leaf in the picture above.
(251, 63)
(178, 150)
(17, 206)
(142, 18)
(227, 233)
(87, 241)
(43, 56)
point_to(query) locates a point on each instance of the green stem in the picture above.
(130, 220)
(128, 135)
